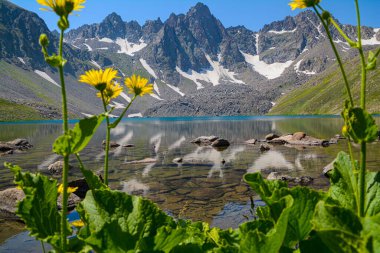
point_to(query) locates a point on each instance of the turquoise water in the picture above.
(203, 187)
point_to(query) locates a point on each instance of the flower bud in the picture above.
(63, 23)
(44, 40)
(326, 16)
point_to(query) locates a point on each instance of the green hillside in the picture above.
(326, 93)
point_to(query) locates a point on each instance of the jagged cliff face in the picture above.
(189, 52)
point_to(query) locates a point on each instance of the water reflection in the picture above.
(207, 180)
(273, 160)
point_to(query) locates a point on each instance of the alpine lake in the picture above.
(207, 185)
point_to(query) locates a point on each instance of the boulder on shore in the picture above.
(8, 202)
(251, 141)
(271, 136)
(205, 140)
(299, 138)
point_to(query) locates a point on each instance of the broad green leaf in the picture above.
(301, 213)
(360, 125)
(118, 222)
(344, 182)
(339, 228)
(372, 198)
(77, 138)
(314, 245)
(344, 186)
(372, 231)
(262, 236)
(39, 208)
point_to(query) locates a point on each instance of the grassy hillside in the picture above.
(11, 112)
(325, 94)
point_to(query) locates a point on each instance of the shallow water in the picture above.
(202, 187)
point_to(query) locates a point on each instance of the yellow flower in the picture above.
(98, 78)
(62, 7)
(69, 189)
(138, 85)
(302, 4)
(77, 223)
(111, 91)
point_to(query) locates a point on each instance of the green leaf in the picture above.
(39, 208)
(262, 236)
(314, 245)
(344, 182)
(301, 213)
(360, 125)
(344, 186)
(118, 222)
(339, 228)
(77, 138)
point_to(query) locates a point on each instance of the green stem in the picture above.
(108, 135)
(65, 158)
(363, 146)
(362, 173)
(362, 59)
(114, 124)
(43, 247)
(337, 56)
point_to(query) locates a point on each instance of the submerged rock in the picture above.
(128, 146)
(303, 180)
(329, 167)
(112, 144)
(264, 147)
(57, 168)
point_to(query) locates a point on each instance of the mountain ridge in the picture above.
(183, 56)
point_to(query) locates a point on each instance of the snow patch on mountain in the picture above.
(125, 96)
(176, 89)
(305, 72)
(21, 60)
(95, 64)
(270, 71)
(129, 48)
(373, 40)
(215, 74)
(283, 31)
(156, 89)
(45, 76)
(148, 68)
(88, 47)
(156, 97)
(106, 40)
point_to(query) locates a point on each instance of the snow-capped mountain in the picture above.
(189, 54)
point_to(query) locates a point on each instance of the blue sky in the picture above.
(251, 13)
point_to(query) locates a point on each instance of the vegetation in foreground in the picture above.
(346, 218)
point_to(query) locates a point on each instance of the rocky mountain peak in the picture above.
(112, 27)
(199, 10)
